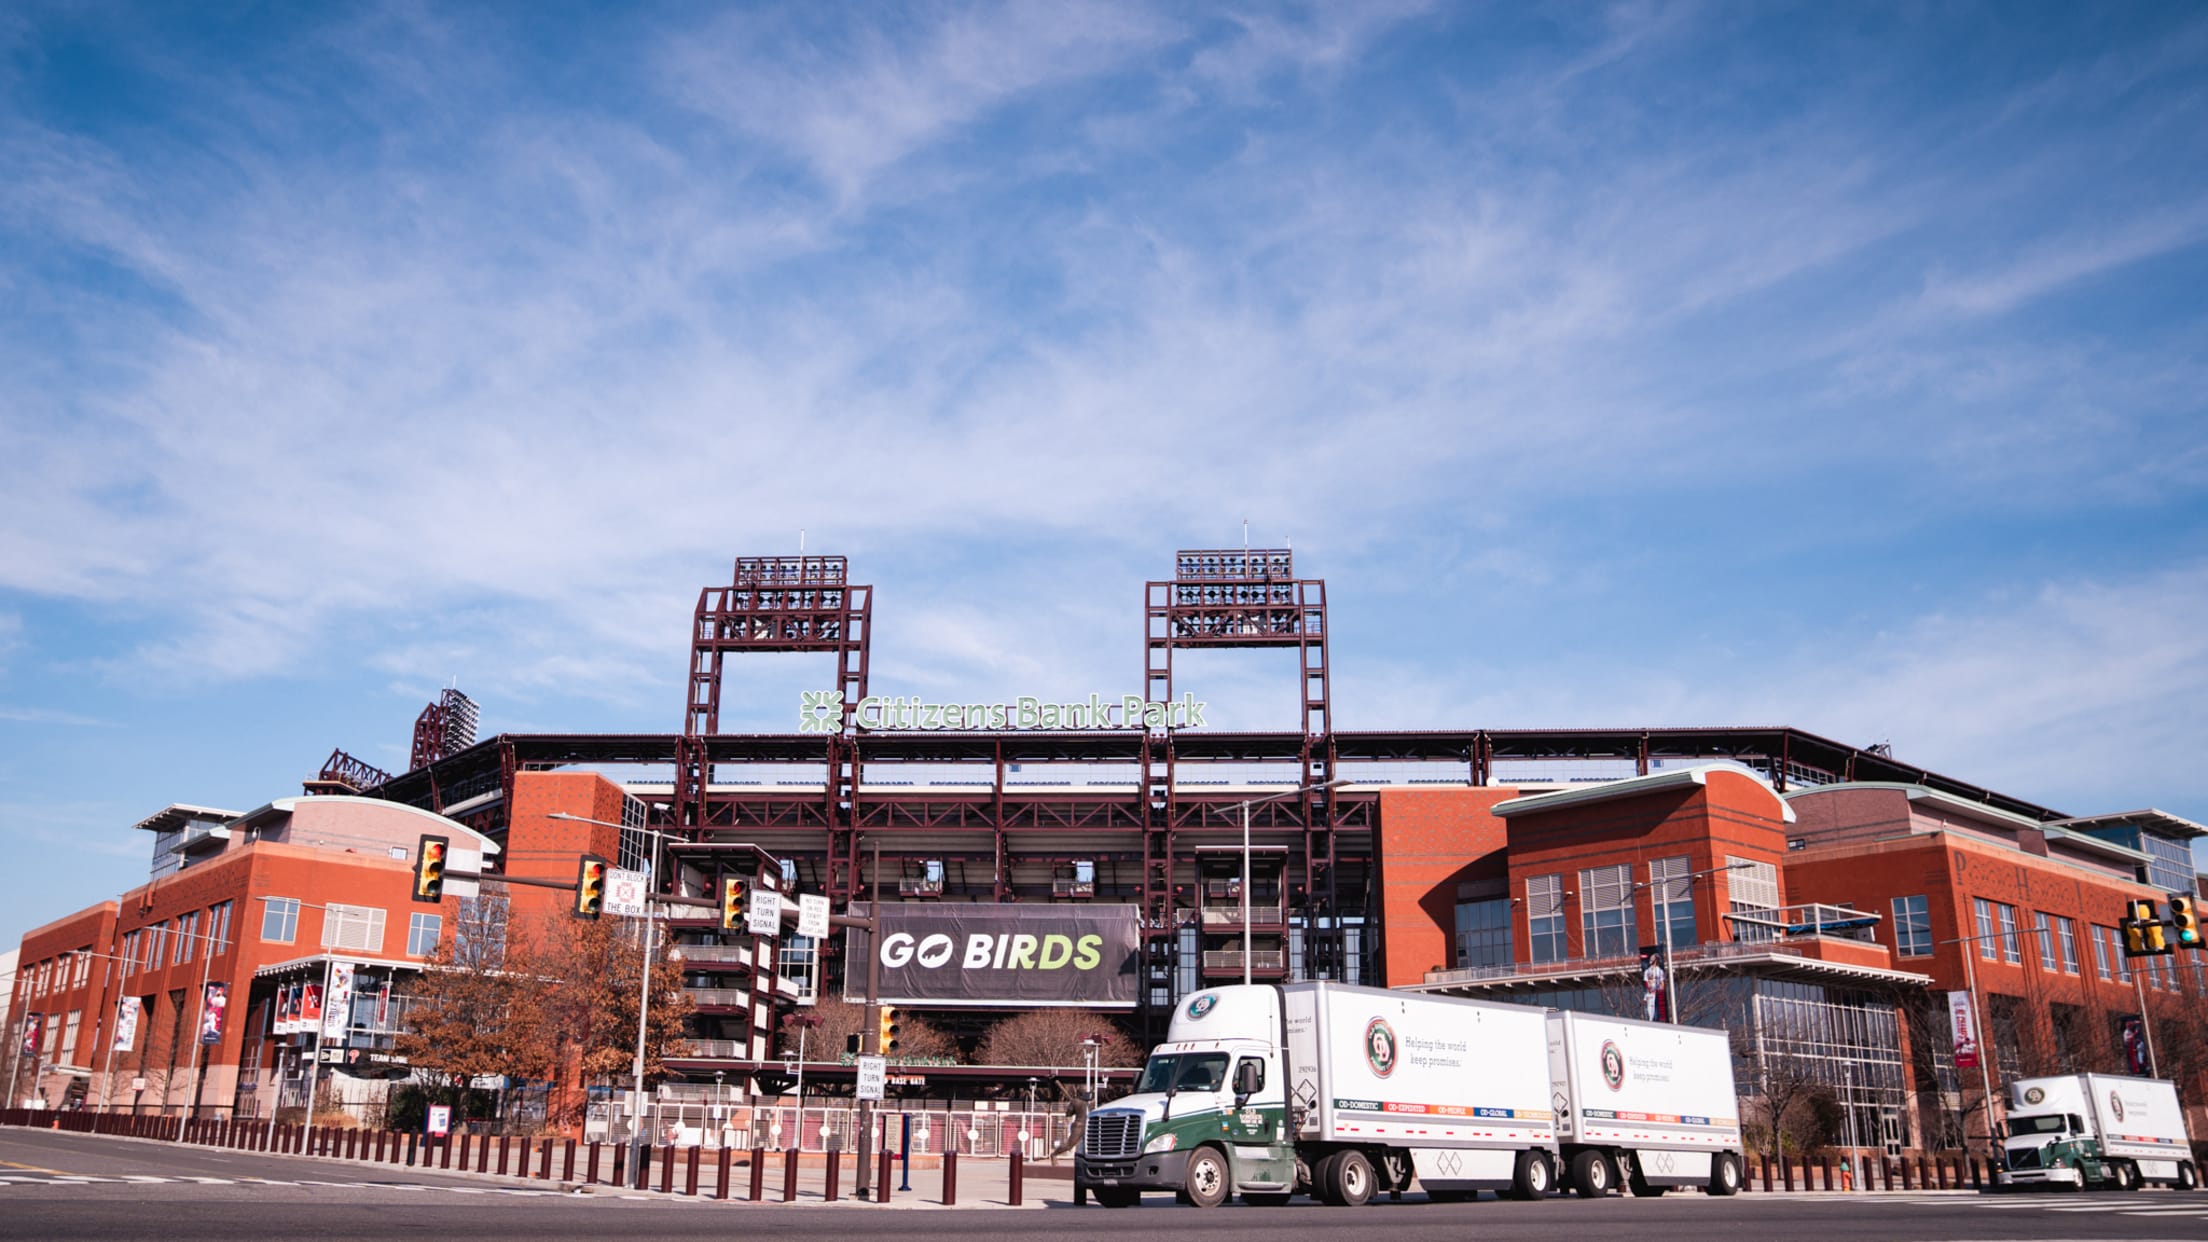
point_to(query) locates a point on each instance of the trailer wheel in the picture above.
(1208, 1181)
(1533, 1178)
(2124, 1175)
(2187, 1179)
(1592, 1176)
(1636, 1180)
(1725, 1174)
(1345, 1179)
(1116, 1196)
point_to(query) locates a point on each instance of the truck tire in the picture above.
(1116, 1196)
(1345, 1179)
(2124, 1175)
(1534, 1177)
(1636, 1180)
(1209, 1182)
(2187, 1179)
(1725, 1174)
(1592, 1175)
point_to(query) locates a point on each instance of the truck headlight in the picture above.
(1163, 1142)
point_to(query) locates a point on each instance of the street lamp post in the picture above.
(644, 986)
(1979, 1016)
(1244, 807)
(1663, 927)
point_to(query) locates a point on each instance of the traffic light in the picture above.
(2145, 933)
(885, 1043)
(732, 903)
(429, 869)
(590, 887)
(2184, 921)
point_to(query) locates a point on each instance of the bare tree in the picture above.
(1055, 1037)
(839, 1019)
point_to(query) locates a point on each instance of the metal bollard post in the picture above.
(667, 1173)
(881, 1170)
(380, 1137)
(904, 1154)
(590, 1174)
(721, 1191)
(758, 1175)
(567, 1161)
(505, 1153)
(1018, 1172)
(690, 1174)
(950, 1178)
(835, 1172)
(1824, 1162)
(620, 1156)
(789, 1175)
(1975, 1182)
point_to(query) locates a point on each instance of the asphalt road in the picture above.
(71, 1186)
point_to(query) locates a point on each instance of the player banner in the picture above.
(1962, 1027)
(337, 1014)
(126, 1022)
(213, 1007)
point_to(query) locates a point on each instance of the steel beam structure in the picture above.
(1240, 599)
(790, 604)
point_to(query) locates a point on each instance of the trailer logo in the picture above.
(1201, 1005)
(2116, 1106)
(1613, 1065)
(2035, 1095)
(1380, 1047)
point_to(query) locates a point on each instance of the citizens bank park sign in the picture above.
(949, 954)
(821, 711)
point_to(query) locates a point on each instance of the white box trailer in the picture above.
(1647, 1104)
(1338, 1090)
(2079, 1130)
(1442, 1081)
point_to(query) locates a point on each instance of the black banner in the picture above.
(951, 954)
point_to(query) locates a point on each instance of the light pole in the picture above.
(1244, 807)
(1979, 1017)
(1663, 926)
(644, 987)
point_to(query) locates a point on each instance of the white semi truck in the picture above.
(1339, 1091)
(1647, 1104)
(2081, 1130)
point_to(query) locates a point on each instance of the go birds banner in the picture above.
(948, 954)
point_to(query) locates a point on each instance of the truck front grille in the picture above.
(2024, 1158)
(1111, 1136)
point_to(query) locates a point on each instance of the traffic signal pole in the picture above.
(870, 1035)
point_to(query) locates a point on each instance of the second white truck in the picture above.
(2081, 1130)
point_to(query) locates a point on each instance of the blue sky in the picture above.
(1838, 366)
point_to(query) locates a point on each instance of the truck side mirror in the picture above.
(1249, 1076)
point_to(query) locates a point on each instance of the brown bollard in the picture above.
(758, 1174)
(411, 1139)
(505, 1153)
(544, 1165)
(590, 1173)
(667, 1172)
(720, 1188)
(950, 1178)
(789, 1175)
(882, 1177)
(835, 1173)
(620, 1159)
(1825, 1163)
(1975, 1182)
(381, 1138)
(483, 1155)
(690, 1174)
(1018, 1174)
(567, 1161)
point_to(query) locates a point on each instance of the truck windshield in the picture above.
(1191, 1071)
(2052, 1123)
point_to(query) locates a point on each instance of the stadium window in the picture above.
(280, 921)
(1913, 926)
(1545, 918)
